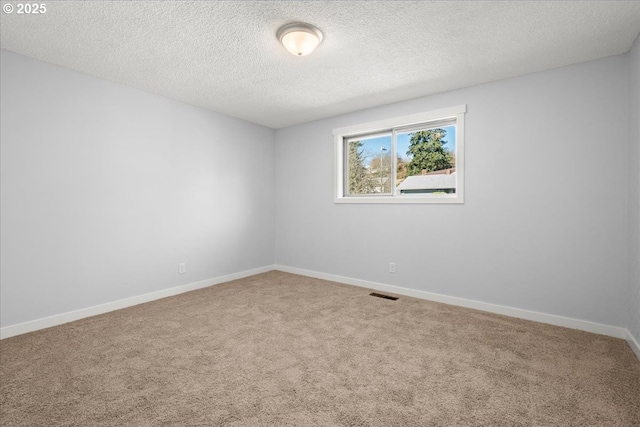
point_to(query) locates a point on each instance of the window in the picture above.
(411, 159)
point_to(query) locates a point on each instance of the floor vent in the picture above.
(375, 294)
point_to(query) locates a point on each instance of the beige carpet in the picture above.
(283, 350)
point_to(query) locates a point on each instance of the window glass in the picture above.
(426, 161)
(369, 165)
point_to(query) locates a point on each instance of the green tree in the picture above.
(426, 149)
(360, 179)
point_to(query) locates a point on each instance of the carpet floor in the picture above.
(278, 349)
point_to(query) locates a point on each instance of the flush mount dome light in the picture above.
(299, 39)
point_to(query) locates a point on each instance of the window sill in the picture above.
(453, 199)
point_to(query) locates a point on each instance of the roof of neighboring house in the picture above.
(428, 182)
(442, 172)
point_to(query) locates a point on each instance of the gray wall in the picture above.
(106, 188)
(544, 225)
(634, 191)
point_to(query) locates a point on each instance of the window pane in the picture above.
(427, 161)
(369, 165)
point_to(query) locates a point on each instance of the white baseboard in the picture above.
(59, 319)
(552, 319)
(633, 343)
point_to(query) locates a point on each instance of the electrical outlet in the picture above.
(392, 267)
(182, 268)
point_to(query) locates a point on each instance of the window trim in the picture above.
(395, 124)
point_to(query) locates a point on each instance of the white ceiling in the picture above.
(224, 55)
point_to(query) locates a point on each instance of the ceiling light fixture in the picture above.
(299, 39)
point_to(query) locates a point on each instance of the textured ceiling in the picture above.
(224, 55)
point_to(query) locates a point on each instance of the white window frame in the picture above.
(343, 133)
